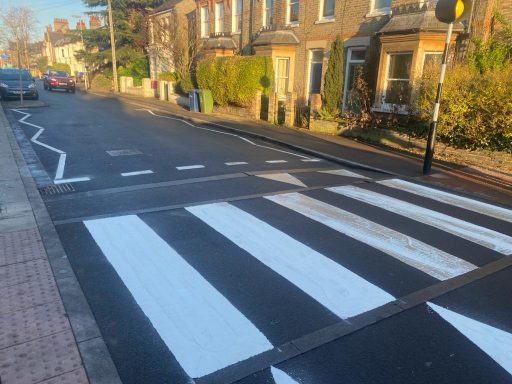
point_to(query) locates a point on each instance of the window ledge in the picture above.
(379, 12)
(236, 33)
(324, 21)
(293, 25)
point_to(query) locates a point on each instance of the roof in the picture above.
(165, 6)
(279, 37)
(59, 38)
(415, 18)
(220, 42)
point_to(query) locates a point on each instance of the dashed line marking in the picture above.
(74, 180)
(136, 173)
(237, 163)
(276, 161)
(186, 167)
(311, 160)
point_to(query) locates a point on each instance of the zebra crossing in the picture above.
(201, 319)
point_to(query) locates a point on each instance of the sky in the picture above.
(46, 10)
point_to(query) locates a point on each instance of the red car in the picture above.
(53, 79)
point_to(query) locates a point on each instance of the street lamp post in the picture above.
(113, 46)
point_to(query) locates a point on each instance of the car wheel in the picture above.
(67, 90)
(36, 97)
(49, 88)
(72, 90)
(45, 87)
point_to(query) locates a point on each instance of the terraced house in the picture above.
(395, 38)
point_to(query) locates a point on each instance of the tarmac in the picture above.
(47, 332)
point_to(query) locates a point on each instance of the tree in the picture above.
(333, 80)
(130, 25)
(19, 25)
(42, 63)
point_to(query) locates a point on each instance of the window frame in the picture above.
(266, 22)
(427, 53)
(349, 61)
(286, 78)
(379, 11)
(205, 28)
(310, 63)
(387, 79)
(321, 12)
(236, 22)
(289, 12)
(219, 20)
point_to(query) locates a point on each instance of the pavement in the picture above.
(47, 331)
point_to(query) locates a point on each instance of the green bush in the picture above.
(476, 108)
(235, 80)
(183, 86)
(333, 79)
(137, 69)
(101, 82)
(168, 76)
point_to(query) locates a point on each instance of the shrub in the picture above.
(476, 108)
(183, 86)
(168, 76)
(101, 82)
(137, 69)
(333, 80)
(236, 79)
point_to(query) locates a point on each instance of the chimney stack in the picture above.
(80, 25)
(60, 25)
(94, 22)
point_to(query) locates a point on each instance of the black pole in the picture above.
(431, 141)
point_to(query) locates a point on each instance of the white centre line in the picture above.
(408, 250)
(136, 173)
(311, 160)
(275, 161)
(237, 163)
(185, 167)
(337, 288)
(203, 330)
(485, 237)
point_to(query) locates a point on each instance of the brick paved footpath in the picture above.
(40, 340)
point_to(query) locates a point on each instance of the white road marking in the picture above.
(237, 163)
(345, 172)
(59, 174)
(410, 251)
(450, 198)
(280, 377)
(185, 167)
(496, 241)
(284, 178)
(493, 341)
(332, 285)
(276, 161)
(204, 331)
(311, 160)
(73, 180)
(136, 173)
(224, 133)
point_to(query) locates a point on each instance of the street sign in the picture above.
(449, 11)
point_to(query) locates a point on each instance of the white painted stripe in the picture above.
(332, 285)
(204, 331)
(311, 160)
(136, 173)
(280, 377)
(415, 253)
(283, 178)
(237, 163)
(185, 167)
(486, 237)
(60, 168)
(73, 180)
(276, 161)
(493, 341)
(344, 172)
(450, 198)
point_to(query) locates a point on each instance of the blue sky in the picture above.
(46, 10)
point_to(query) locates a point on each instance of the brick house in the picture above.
(170, 27)
(393, 37)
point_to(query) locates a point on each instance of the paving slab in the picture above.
(20, 246)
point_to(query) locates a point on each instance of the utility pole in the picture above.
(81, 22)
(19, 69)
(113, 46)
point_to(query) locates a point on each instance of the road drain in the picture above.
(56, 189)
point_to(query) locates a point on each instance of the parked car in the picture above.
(58, 80)
(10, 84)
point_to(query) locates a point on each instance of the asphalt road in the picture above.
(209, 257)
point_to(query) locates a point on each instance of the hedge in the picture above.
(476, 108)
(235, 80)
